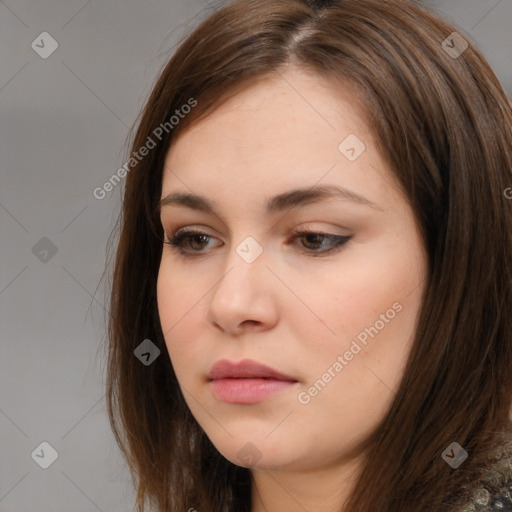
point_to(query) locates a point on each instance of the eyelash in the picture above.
(176, 241)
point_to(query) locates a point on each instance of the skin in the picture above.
(292, 309)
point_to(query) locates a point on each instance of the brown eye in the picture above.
(311, 240)
(189, 242)
(198, 242)
(320, 243)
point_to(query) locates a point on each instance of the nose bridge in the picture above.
(242, 293)
(245, 264)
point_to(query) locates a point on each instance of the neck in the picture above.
(321, 490)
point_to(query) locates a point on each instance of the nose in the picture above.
(244, 299)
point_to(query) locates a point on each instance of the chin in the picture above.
(256, 452)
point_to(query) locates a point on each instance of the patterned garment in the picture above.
(495, 490)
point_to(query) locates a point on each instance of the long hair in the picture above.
(444, 125)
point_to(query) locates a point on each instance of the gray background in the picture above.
(64, 125)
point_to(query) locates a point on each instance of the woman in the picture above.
(312, 288)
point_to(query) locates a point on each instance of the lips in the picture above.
(247, 382)
(245, 369)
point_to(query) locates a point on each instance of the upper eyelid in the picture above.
(338, 241)
(198, 231)
(202, 230)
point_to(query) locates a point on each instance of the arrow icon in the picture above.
(44, 250)
(351, 147)
(249, 249)
(454, 455)
(44, 45)
(147, 352)
(249, 454)
(44, 455)
(455, 45)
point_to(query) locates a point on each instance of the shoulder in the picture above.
(494, 491)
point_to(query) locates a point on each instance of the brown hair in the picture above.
(444, 125)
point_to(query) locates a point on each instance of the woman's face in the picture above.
(332, 312)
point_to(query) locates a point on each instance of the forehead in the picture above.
(277, 133)
(293, 105)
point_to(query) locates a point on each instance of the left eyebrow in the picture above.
(286, 200)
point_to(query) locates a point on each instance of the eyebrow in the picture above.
(287, 200)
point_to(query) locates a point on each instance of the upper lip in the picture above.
(245, 369)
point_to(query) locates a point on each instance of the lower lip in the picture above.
(247, 391)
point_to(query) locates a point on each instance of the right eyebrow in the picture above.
(286, 200)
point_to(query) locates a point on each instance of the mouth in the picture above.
(246, 382)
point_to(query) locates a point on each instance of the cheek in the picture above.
(382, 281)
(353, 375)
(367, 311)
(351, 297)
(179, 307)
